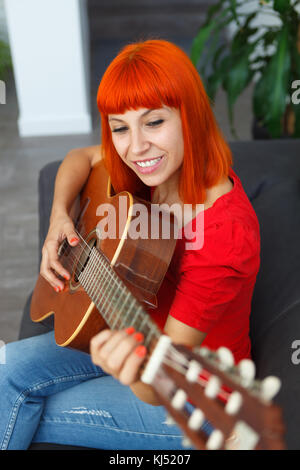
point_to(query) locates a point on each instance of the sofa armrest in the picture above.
(45, 194)
(46, 191)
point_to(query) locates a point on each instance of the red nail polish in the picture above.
(56, 289)
(130, 330)
(73, 240)
(66, 277)
(139, 337)
(141, 351)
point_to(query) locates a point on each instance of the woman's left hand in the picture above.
(119, 353)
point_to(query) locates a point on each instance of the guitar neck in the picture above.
(119, 308)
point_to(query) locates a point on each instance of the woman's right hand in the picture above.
(61, 227)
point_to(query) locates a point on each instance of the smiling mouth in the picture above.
(147, 163)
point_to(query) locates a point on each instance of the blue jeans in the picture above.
(57, 395)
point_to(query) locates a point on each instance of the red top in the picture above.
(210, 288)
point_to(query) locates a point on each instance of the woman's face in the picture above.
(150, 141)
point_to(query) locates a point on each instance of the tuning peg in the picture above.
(270, 386)
(215, 440)
(234, 403)
(179, 399)
(247, 371)
(193, 371)
(203, 351)
(213, 386)
(225, 357)
(196, 419)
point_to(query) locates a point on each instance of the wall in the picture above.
(49, 48)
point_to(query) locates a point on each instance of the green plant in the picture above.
(5, 60)
(232, 65)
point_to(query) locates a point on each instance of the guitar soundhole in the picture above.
(84, 257)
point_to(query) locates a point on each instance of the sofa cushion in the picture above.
(260, 163)
(278, 281)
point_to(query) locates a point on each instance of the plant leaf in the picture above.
(270, 92)
(204, 33)
(5, 59)
(237, 79)
(212, 11)
(281, 5)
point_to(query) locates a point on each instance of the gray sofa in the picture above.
(270, 174)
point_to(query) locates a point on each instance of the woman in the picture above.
(158, 130)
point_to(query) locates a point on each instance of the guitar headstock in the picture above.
(200, 385)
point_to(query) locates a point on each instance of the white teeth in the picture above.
(149, 162)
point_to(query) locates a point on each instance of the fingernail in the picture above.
(130, 330)
(66, 277)
(56, 289)
(73, 240)
(139, 337)
(140, 351)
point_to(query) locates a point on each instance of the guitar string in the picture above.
(119, 285)
(183, 368)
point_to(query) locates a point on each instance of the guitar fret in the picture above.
(119, 298)
(107, 289)
(117, 305)
(105, 309)
(116, 319)
(135, 317)
(148, 335)
(107, 296)
(124, 318)
(127, 309)
(92, 274)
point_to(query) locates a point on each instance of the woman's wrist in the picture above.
(58, 212)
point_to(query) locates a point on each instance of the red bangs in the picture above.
(132, 82)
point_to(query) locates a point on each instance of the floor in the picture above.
(20, 162)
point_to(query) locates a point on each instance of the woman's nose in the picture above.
(139, 143)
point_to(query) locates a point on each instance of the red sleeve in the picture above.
(212, 278)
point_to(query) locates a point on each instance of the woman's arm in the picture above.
(71, 177)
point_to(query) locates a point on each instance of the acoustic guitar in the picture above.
(115, 273)
(114, 281)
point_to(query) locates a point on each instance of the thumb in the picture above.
(73, 238)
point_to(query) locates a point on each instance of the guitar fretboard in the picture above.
(119, 308)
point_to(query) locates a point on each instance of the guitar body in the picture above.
(140, 262)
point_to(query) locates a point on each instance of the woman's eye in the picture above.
(150, 124)
(120, 129)
(155, 123)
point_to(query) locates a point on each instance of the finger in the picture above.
(131, 369)
(71, 235)
(122, 349)
(112, 343)
(47, 273)
(96, 344)
(54, 262)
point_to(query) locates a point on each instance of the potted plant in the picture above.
(5, 60)
(246, 58)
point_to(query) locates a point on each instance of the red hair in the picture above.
(151, 74)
